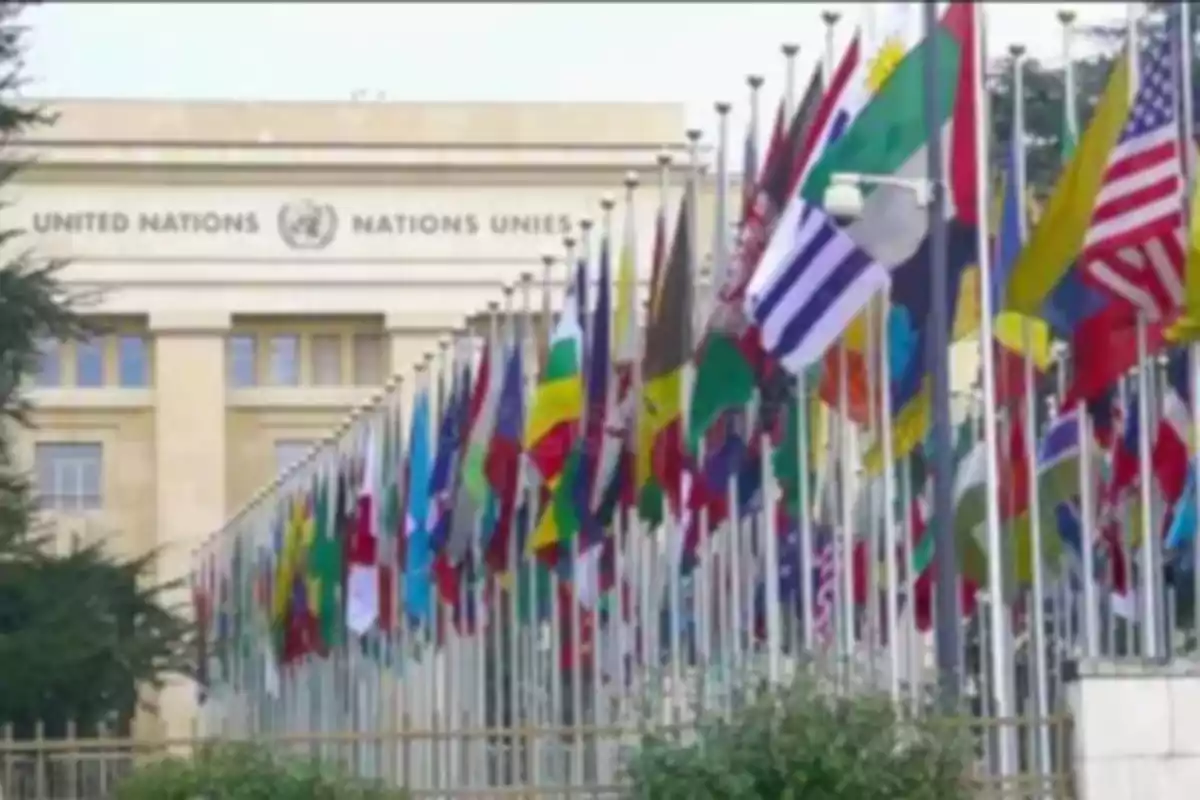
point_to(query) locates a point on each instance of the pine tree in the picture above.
(80, 633)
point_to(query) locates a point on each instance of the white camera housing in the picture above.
(844, 201)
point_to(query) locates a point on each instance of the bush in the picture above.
(245, 772)
(805, 744)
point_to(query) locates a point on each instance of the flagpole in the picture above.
(657, 550)
(582, 268)
(526, 564)
(1189, 138)
(1151, 599)
(1038, 639)
(947, 561)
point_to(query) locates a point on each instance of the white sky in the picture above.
(691, 52)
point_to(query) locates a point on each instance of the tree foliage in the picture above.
(808, 741)
(1044, 94)
(80, 632)
(247, 773)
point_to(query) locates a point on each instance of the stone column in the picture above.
(190, 433)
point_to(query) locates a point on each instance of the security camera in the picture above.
(844, 202)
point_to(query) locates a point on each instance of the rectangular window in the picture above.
(285, 360)
(89, 363)
(326, 359)
(368, 359)
(69, 475)
(132, 369)
(243, 361)
(289, 452)
(49, 372)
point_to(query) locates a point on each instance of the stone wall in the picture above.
(1137, 729)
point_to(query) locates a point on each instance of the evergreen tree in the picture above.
(80, 633)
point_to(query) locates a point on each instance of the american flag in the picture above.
(826, 566)
(1134, 248)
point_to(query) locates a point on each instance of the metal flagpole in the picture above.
(890, 539)
(946, 586)
(948, 592)
(844, 548)
(1037, 641)
(1150, 562)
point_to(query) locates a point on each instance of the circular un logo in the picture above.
(307, 224)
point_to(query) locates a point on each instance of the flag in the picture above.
(727, 358)
(325, 562)
(503, 463)
(362, 582)
(599, 395)
(1047, 282)
(647, 493)
(474, 492)
(1187, 327)
(613, 470)
(668, 346)
(893, 229)
(1172, 443)
(389, 518)
(418, 596)
(555, 452)
(864, 68)
(1034, 284)
(1014, 334)
(1133, 248)
(558, 400)
(1183, 522)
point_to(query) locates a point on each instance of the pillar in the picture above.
(190, 433)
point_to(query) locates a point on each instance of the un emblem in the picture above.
(307, 224)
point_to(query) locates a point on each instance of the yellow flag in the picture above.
(1187, 327)
(1058, 237)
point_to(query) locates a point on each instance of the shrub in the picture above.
(244, 772)
(805, 744)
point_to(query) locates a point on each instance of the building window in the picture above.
(326, 358)
(289, 452)
(69, 475)
(132, 371)
(49, 372)
(285, 360)
(243, 363)
(368, 359)
(89, 363)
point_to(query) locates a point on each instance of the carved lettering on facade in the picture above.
(147, 222)
(297, 218)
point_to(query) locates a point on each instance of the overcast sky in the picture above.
(691, 52)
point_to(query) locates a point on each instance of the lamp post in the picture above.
(844, 202)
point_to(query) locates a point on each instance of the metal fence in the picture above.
(541, 762)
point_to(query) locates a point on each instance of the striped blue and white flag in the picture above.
(811, 283)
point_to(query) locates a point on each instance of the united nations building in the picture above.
(260, 269)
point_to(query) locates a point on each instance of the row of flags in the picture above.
(522, 471)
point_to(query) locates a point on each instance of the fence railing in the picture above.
(537, 762)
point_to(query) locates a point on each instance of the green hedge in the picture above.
(806, 744)
(244, 772)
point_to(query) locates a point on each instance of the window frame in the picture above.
(50, 352)
(231, 354)
(272, 373)
(91, 348)
(337, 342)
(74, 460)
(356, 376)
(121, 361)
